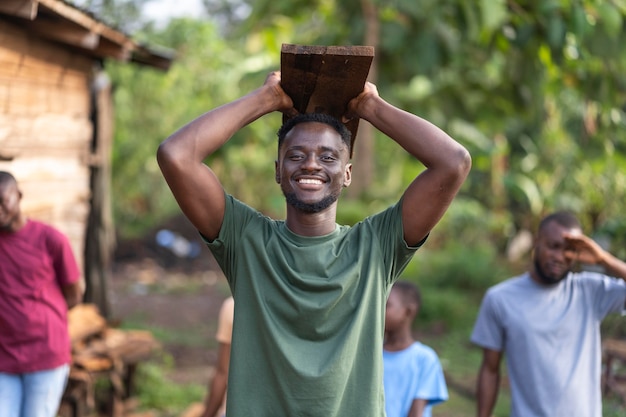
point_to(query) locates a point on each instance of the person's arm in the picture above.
(447, 162)
(417, 408)
(197, 190)
(586, 250)
(488, 383)
(73, 293)
(217, 389)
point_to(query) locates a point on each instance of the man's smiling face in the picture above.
(312, 167)
(551, 265)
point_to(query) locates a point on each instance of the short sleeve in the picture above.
(609, 294)
(488, 330)
(432, 386)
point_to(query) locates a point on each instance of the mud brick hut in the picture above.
(56, 121)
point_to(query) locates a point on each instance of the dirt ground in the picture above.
(176, 297)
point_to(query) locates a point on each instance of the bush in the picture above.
(445, 310)
(453, 280)
(156, 392)
(460, 267)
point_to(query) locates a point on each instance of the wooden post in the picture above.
(323, 79)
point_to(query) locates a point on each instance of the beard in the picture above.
(548, 279)
(6, 225)
(310, 208)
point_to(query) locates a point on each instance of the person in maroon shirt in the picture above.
(39, 281)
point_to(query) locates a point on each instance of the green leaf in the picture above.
(580, 25)
(555, 32)
(530, 190)
(494, 14)
(610, 18)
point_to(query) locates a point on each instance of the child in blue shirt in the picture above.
(413, 377)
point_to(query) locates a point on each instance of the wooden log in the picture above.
(102, 352)
(78, 397)
(84, 321)
(130, 346)
(615, 348)
(323, 79)
(92, 363)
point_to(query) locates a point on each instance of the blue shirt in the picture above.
(410, 374)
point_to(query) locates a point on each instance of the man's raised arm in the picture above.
(447, 162)
(197, 190)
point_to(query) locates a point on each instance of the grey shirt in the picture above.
(551, 339)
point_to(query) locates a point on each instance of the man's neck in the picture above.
(15, 225)
(311, 224)
(396, 341)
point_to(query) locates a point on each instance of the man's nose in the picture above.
(311, 162)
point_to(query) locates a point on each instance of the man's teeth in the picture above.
(309, 181)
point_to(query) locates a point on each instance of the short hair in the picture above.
(331, 121)
(6, 177)
(564, 218)
(409, 292)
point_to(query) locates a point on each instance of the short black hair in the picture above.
(346, 135)
(563, 218)
(409, 292)
(6, 177)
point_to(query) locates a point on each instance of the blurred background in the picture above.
(535, 89)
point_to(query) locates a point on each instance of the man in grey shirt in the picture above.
(547, 322)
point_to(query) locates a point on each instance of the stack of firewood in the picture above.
(102, 352)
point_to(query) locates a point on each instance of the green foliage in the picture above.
(445, 309)
(151, 105)
(470, 269)
(124, 15)
(155, 392)
(453, 280)
(533, 89)
(460, 361)
(457, 264)
(198, 337)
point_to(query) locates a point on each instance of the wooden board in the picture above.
(323, 79)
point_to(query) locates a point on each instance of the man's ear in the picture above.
(347, 180)
(277, 172)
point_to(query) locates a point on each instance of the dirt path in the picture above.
(180, 308)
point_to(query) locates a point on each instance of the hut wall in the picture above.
(45, 129)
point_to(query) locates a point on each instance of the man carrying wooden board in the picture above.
(310, 294)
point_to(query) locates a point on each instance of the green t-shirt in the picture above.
(309, 313)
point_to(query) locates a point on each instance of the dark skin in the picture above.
(312, 164)
(399, 316)
(12, 220)
(556, 250)
(200, 195)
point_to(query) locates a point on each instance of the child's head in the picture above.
(402, 305)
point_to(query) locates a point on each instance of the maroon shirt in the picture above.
(35, 263)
